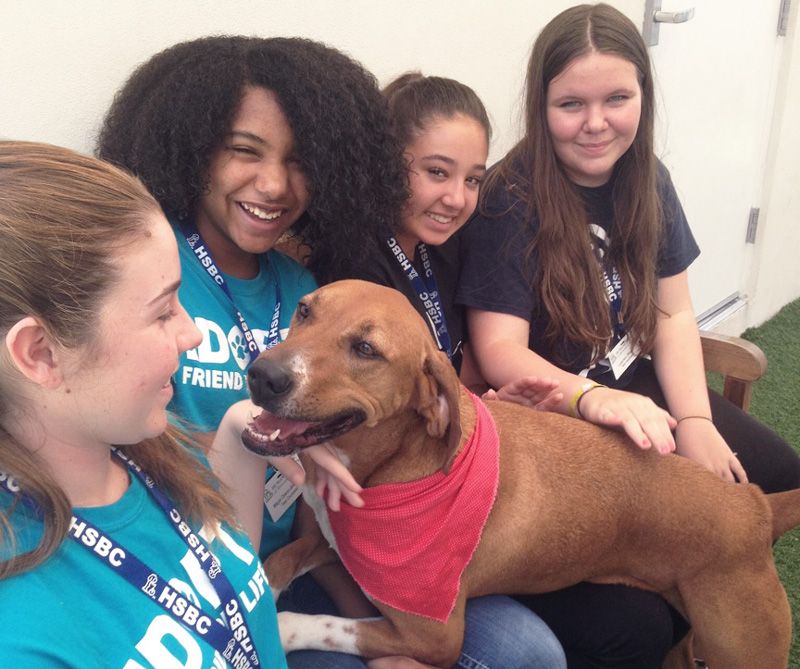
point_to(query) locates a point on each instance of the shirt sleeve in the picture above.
(495, 275)
(678, 247)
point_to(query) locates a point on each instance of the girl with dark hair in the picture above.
(444, 131)
(95, 488)
(575, 268)
(243, 140)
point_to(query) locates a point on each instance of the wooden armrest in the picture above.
(739, 361)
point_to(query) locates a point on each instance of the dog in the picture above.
(569, 501)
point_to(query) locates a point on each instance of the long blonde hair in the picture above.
(63, 219)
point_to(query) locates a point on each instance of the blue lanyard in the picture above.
(206, 260)
(612, 283)
(427, 292)
(232, 639)
(613, 287)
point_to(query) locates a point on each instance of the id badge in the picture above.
(279, 494)
(621, 356)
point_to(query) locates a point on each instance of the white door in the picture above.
(715, 77)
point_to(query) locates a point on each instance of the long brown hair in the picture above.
(63, 219)
(566, 275)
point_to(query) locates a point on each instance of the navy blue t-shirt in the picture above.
(496, 277)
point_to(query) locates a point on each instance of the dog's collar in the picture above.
(410, 543)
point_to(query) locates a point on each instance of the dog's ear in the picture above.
(438, 391)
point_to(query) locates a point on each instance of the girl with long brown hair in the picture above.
(575, 266)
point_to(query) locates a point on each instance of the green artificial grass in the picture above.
(776, 402)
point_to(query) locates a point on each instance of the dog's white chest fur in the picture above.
(320, 510)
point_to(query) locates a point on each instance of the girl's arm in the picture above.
(242, 472)
(531, 391)
(678, 361)
(500, 343)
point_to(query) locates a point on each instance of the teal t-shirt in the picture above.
(74, 611)
(213, 376)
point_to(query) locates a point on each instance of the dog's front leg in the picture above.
(420, 638)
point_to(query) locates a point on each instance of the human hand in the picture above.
(229, 436)
(647, 424)
(699, 440)
(530, 391)
(397, 662)
(326, 471)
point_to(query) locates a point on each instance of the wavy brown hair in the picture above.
(566, 275)
(64, 218)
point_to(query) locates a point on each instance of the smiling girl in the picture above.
(444, 131)
(241, 139)
(96, 570)
(575, 267)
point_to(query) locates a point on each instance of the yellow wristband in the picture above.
(573, 409)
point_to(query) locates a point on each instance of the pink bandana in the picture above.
(410, 543)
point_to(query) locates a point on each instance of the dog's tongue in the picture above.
(267, 423)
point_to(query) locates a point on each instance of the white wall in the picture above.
(61, 62)
(775, 279)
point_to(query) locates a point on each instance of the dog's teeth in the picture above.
(275, 435)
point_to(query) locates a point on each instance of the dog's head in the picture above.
(357, 353)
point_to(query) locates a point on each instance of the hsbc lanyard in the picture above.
(613, 287)
(206, 260)
(232, 638)
(427, 292)
(612, 283)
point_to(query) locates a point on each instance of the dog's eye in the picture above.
(364, 349)
(302, 312)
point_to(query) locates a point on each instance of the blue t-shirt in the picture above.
(213, 376)
(75, 611)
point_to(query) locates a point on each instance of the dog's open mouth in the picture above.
(271, 435)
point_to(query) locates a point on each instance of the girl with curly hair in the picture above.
(575, 267)
(242, 139)
(97, 492)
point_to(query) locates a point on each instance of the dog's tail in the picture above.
(785, 511)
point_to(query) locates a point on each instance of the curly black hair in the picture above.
(174, 111)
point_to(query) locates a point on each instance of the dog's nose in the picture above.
(268, 379)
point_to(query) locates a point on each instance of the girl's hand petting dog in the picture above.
(530, 391)
(328, 473)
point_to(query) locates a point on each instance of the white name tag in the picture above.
(279, 494)
(621, 356)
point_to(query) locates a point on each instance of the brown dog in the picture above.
(575, 502)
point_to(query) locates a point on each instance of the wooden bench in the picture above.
(740, 362)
